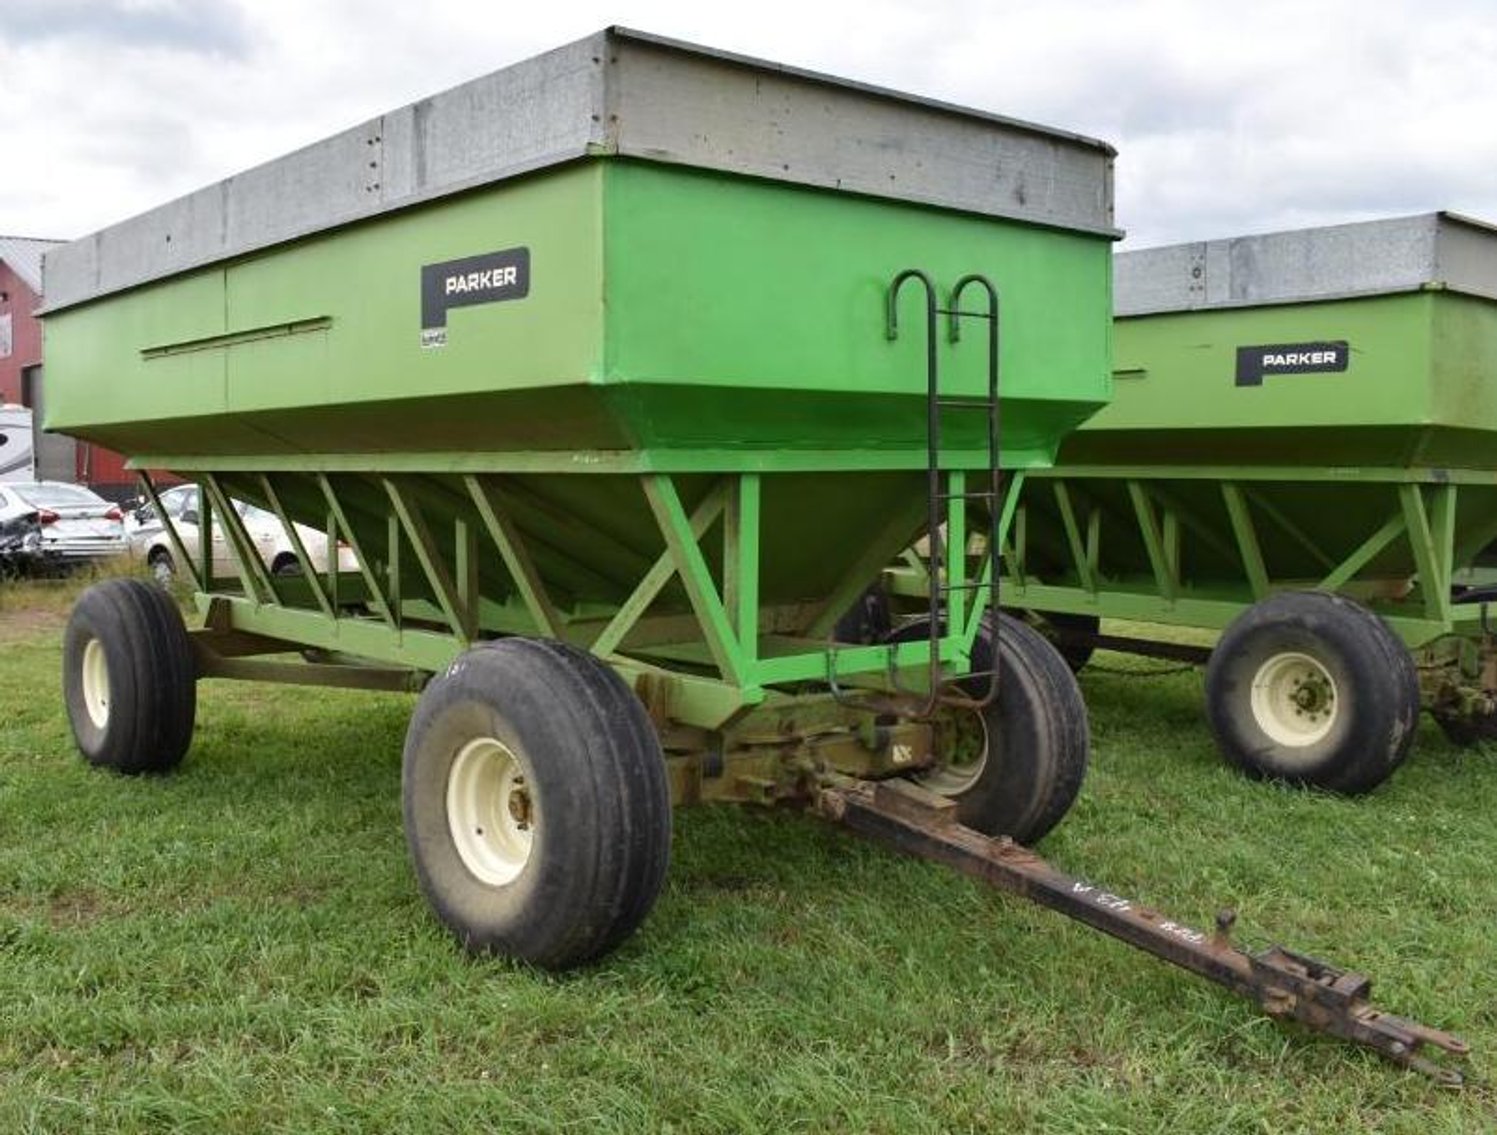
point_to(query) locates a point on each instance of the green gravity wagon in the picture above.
(619, 373)
(1302, 453)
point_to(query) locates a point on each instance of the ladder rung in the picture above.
(973, 496)
(947, 588)
(967, 403)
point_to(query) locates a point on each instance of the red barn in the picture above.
(58, 458)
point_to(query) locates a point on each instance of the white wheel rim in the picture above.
(490, 811)
(953, 777)
(96, 683)
(161, 568)
(1294, 700)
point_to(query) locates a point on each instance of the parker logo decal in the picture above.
(1254, 364)
(490, 278)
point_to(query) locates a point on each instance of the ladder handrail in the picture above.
(933, 464)
(939, 552)
(994, 449)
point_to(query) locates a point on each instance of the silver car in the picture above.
(77, 526)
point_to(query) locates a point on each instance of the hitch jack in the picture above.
(1284, 984)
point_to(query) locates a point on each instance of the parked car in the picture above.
(76, 526)
(21, 546)
(149, 541)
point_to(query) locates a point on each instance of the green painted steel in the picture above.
(733, 306)
(687, 587)
(316, 348)
(1192, 495)
(671, 312)
(1417, 391)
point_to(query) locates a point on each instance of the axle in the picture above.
(1284, 984)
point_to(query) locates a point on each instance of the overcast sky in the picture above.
(1229, 117)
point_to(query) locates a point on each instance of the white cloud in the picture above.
(1228, 118)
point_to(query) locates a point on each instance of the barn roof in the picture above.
(24, 255)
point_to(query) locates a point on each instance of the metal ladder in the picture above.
(948, 497)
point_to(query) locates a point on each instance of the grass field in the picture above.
(241, 947)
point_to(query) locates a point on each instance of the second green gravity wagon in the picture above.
(619, 373)
(1302, 453)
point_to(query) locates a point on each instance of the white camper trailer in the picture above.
(17, 444)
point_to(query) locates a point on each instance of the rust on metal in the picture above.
(1283, 983)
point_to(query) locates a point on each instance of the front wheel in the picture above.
(1015, 767)
(1314, 689)
(537, 809)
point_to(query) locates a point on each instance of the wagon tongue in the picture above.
(1283, 983)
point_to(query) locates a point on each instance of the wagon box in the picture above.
(703, 242)
(621, 372)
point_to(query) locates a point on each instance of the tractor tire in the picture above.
(129, 679)
(1024, 784)
(537, 810)
(1313, 689)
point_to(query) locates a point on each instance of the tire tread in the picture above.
(152, 677)
(609, 792)
(1384, 694)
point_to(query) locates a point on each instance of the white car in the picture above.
(77, 526)
(149, 541)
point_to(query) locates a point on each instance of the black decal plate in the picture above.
(1254, 364)
(490, 278)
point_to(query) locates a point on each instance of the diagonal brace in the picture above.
(689, 563)
(252, 570)
(460, 616)
(178, 548)
(516, 555)
(657, 577)
(386, 606)
(298, 549)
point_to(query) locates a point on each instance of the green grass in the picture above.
(241, 947)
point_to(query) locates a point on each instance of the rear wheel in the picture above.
(128, 677)
(1016, 766)
(1465, 729)
(1314, 689)
(1072, 635)
(163, 570)
(868, 620)
(537, 810)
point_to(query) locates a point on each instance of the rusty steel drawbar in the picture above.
(1284, 984)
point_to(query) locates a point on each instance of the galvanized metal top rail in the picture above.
(1399, 254)
(617, 93)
